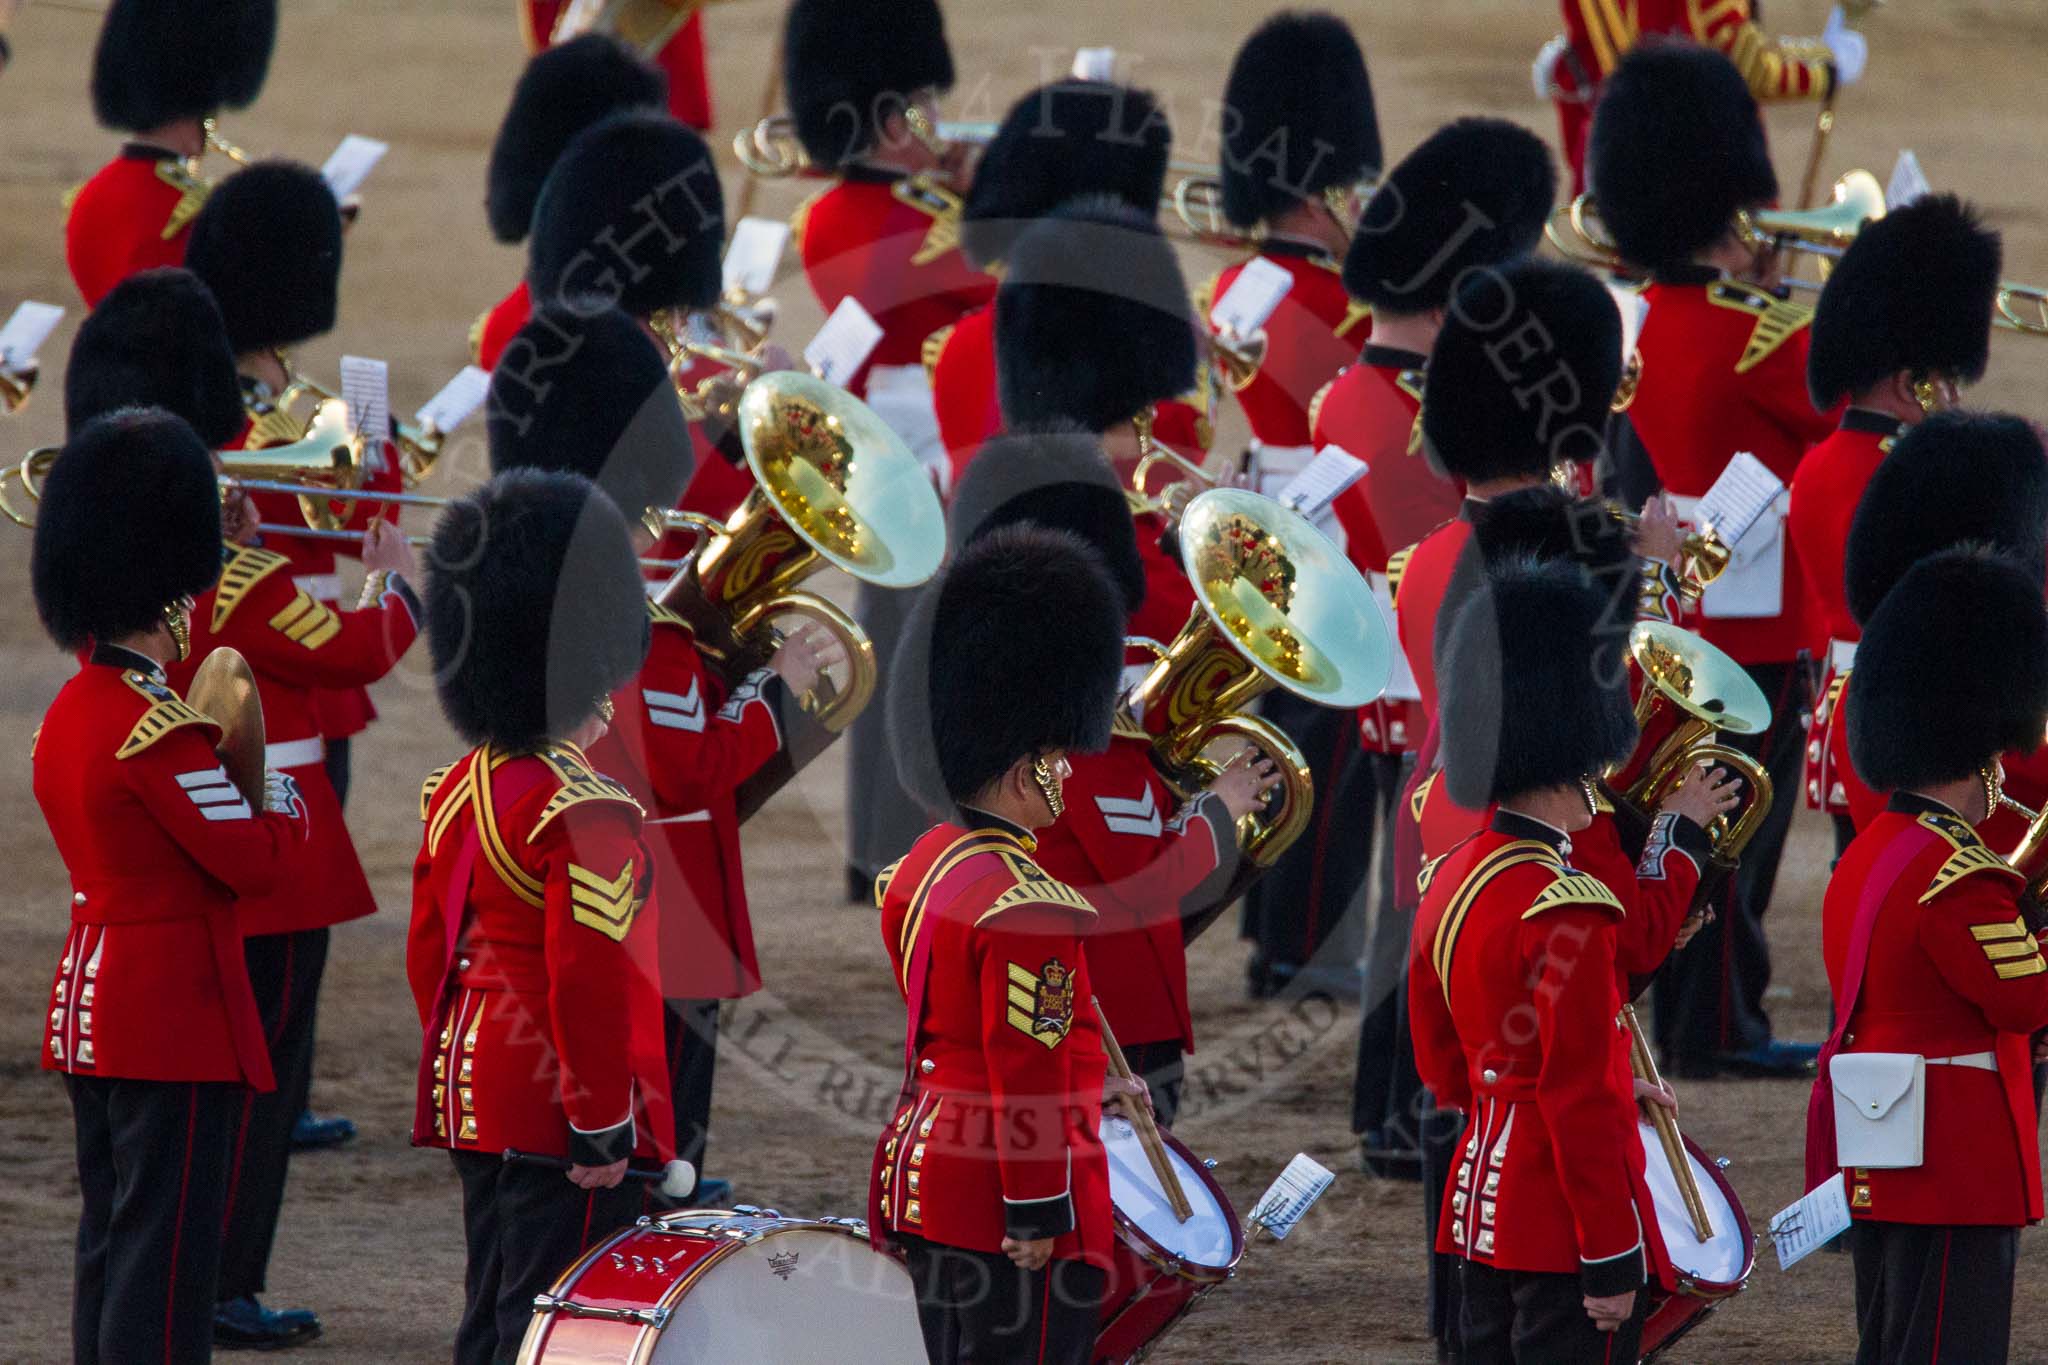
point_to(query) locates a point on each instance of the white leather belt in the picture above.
(294, 753)
(321, 587)
(1841, 655)
(695, 817)
(1980, 1061)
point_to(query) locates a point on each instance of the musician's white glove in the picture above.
(1543, 71)
(1849, 49)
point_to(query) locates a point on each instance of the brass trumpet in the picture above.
(1578, 234)
(1691, 692)
(1702, 555)
(834, 487)
(1275, 606)
(2029, 857)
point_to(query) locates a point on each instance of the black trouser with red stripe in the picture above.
(690, 1030)
(1928, 1295)
(1531, 1317)
(979, 1308)
(524, 1226)
(152, 1168)
(285, 972)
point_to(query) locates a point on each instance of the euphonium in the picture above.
(1275, 606)
(833, 486)
(1691, 692)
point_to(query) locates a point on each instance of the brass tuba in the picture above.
(1691, 692)
(833, 487)
(1276, 605)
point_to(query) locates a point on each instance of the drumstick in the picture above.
(1666, 1124)
(1146, 1126)
(675, 1180)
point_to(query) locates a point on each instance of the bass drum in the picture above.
(1161, 1265)
(1709, 1272)
(703, 1286)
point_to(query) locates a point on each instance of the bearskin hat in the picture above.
(848, 64)
(535, 607)
(156, 340)
(1557, 332)
(1483, 186)
(1543, 523)
(1913, 292)
(1017, 648)
(268, 244)
(1057, 479)
(146, 473)
(1533, 683)
(589, 392)
(1093, 322)
(1059, 142)
(1298, 116)
(1677, 147)
(563, 90)
(631, 214)
(160, 60)
(1958, 478)
(1952, 670)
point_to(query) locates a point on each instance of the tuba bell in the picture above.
(1691, 693)
(1275, 606)
(833, 487)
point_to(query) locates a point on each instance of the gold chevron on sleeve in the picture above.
(306, 622)
(606, 904)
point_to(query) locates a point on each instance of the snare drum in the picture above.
(1161, 1265)
(707, 1286)
(1709, 1271)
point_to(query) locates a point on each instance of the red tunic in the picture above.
(682, 58)
(1954, 971)
(298, 646)
(1143, 859)
(1316, 331)
(892, 242)
(1373, 410)
(1825, 492)
(1511, 1025)
(682, 746)
(133, 215)
(996, 1133)
(530, 966)
(1724, 370)
(158, 845)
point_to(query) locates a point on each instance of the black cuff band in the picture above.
(1688, 838)
(603, 1147)
(1031, 1220)
(1616, 1275)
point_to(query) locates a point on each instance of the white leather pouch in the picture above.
(1880, 1108)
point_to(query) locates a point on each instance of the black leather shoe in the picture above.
(244, 1324)
(1774, 1060)
(310, 1133)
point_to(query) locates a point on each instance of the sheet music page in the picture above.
(844, 343)
(1739, 499)
(26, 331)
(1289, 1197)
(1311, 492)
(1095, 64)
(1810, 1222)
(352, 163)
(366, 388)
(1908, 181)
(458, 398)
(756, 250)
(1252, 297)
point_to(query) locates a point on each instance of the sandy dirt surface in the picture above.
(371, 1237)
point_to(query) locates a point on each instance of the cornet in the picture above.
(1691, 693)
(1276, 605)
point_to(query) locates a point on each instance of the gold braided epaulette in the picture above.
(1034, 886)
(167, 712)
(246, 567)
(581, 785)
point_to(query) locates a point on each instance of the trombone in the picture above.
(419, 447)
(1578, 234)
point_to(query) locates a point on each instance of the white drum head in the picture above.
(799, 1294)
(1207, 1239)
(1724, 1257)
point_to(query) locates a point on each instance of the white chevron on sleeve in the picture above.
(1125, 815)
(677, 711)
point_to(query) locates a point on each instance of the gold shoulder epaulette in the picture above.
(1428, 873)
(1035, 886)
(1421, 796)
(934, 347)
(167, 712)
(1776, 320)
(581, 785)
(246, 567)
(1397, 569)
(1964, 862)
(192, 191)
(662, 616)
(1410, 383)
(1954, 828)
(882, 880)
(1315, 404)
(432, 785)
(1354, 313)
(942, 205)
(1517, 853)
(1574, 888)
